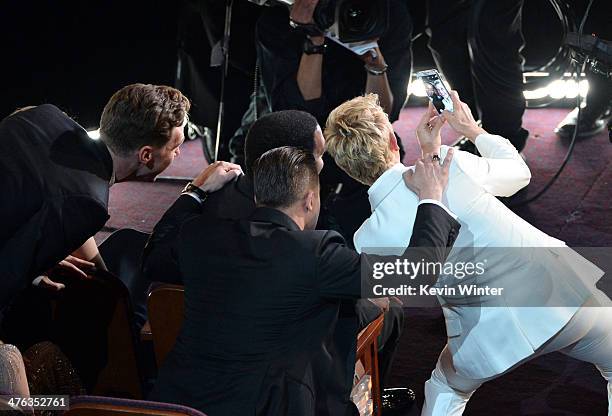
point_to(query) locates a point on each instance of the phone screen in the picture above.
(436, 91)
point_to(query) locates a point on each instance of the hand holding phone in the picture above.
(461, 120)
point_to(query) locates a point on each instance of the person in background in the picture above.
(477, 46)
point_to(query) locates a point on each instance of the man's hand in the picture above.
(374, 59)
(303, 10)
(461, 119)
(429, 178)
(428, 131)
(215, 176)
(382, 303)
(72, 267)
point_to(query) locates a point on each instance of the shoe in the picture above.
(398, 399)
(589, 126)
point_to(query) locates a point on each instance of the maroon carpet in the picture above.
(576, 209)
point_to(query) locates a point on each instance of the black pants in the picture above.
(477, 45)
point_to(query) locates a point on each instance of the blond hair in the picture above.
(357, 138)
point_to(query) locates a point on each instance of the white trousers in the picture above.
(586, 337)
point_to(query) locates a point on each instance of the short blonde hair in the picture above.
(357, 138)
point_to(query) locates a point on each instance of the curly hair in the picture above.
(357, 138)
(142, 114)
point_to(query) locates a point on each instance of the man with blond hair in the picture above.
(484, 341)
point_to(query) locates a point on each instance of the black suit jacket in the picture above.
(261, 297)
(160, 259)
(55, 182)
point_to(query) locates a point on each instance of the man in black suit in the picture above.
(55, 180)
(262, 294)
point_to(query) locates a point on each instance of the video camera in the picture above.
(349, 21)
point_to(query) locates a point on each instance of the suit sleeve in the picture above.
(339, 268)
(160, 257)
(501, 170)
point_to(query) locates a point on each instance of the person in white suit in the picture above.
(562, 310)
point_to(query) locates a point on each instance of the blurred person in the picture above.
(315, 74)
(262, 294)
(477, 46)
(484, 341)
(59, 179)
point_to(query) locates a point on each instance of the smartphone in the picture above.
(436, 91)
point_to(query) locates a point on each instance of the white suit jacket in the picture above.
(485, 341)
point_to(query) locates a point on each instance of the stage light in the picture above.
(536, 94)
(417, 88)
(565, 88)
(557, 89)
(94, 134)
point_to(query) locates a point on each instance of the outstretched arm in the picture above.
(501, 170)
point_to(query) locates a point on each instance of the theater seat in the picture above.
(93, 327)
(122, 254)
(109, 406)
(165, 308)
(367, 353)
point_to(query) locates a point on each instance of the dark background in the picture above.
(76, 54)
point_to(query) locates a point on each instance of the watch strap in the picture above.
(190, 188)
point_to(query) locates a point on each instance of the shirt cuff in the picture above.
(440, 204)
(194, 196)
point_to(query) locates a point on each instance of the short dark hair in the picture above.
(280, 128)
(283, 175)
(142, 114)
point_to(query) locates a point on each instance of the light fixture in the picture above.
(558, 89)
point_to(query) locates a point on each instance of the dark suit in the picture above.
(55, 183)
(261, 297)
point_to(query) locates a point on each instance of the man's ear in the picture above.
(145, 156)
(309, 201)
(393, 141)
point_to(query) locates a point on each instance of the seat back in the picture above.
(93, 327)
(122, 254)
(367, 353)
(166, 308)
(109, 406)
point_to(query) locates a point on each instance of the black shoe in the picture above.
(398, 399)
(589, 126)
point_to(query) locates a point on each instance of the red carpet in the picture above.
(576, 209)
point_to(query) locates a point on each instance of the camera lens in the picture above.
(357, 16)
(361, 20)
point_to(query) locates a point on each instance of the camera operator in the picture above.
(301, 69)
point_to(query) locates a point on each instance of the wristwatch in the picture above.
(190, 188)
(311, 49)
